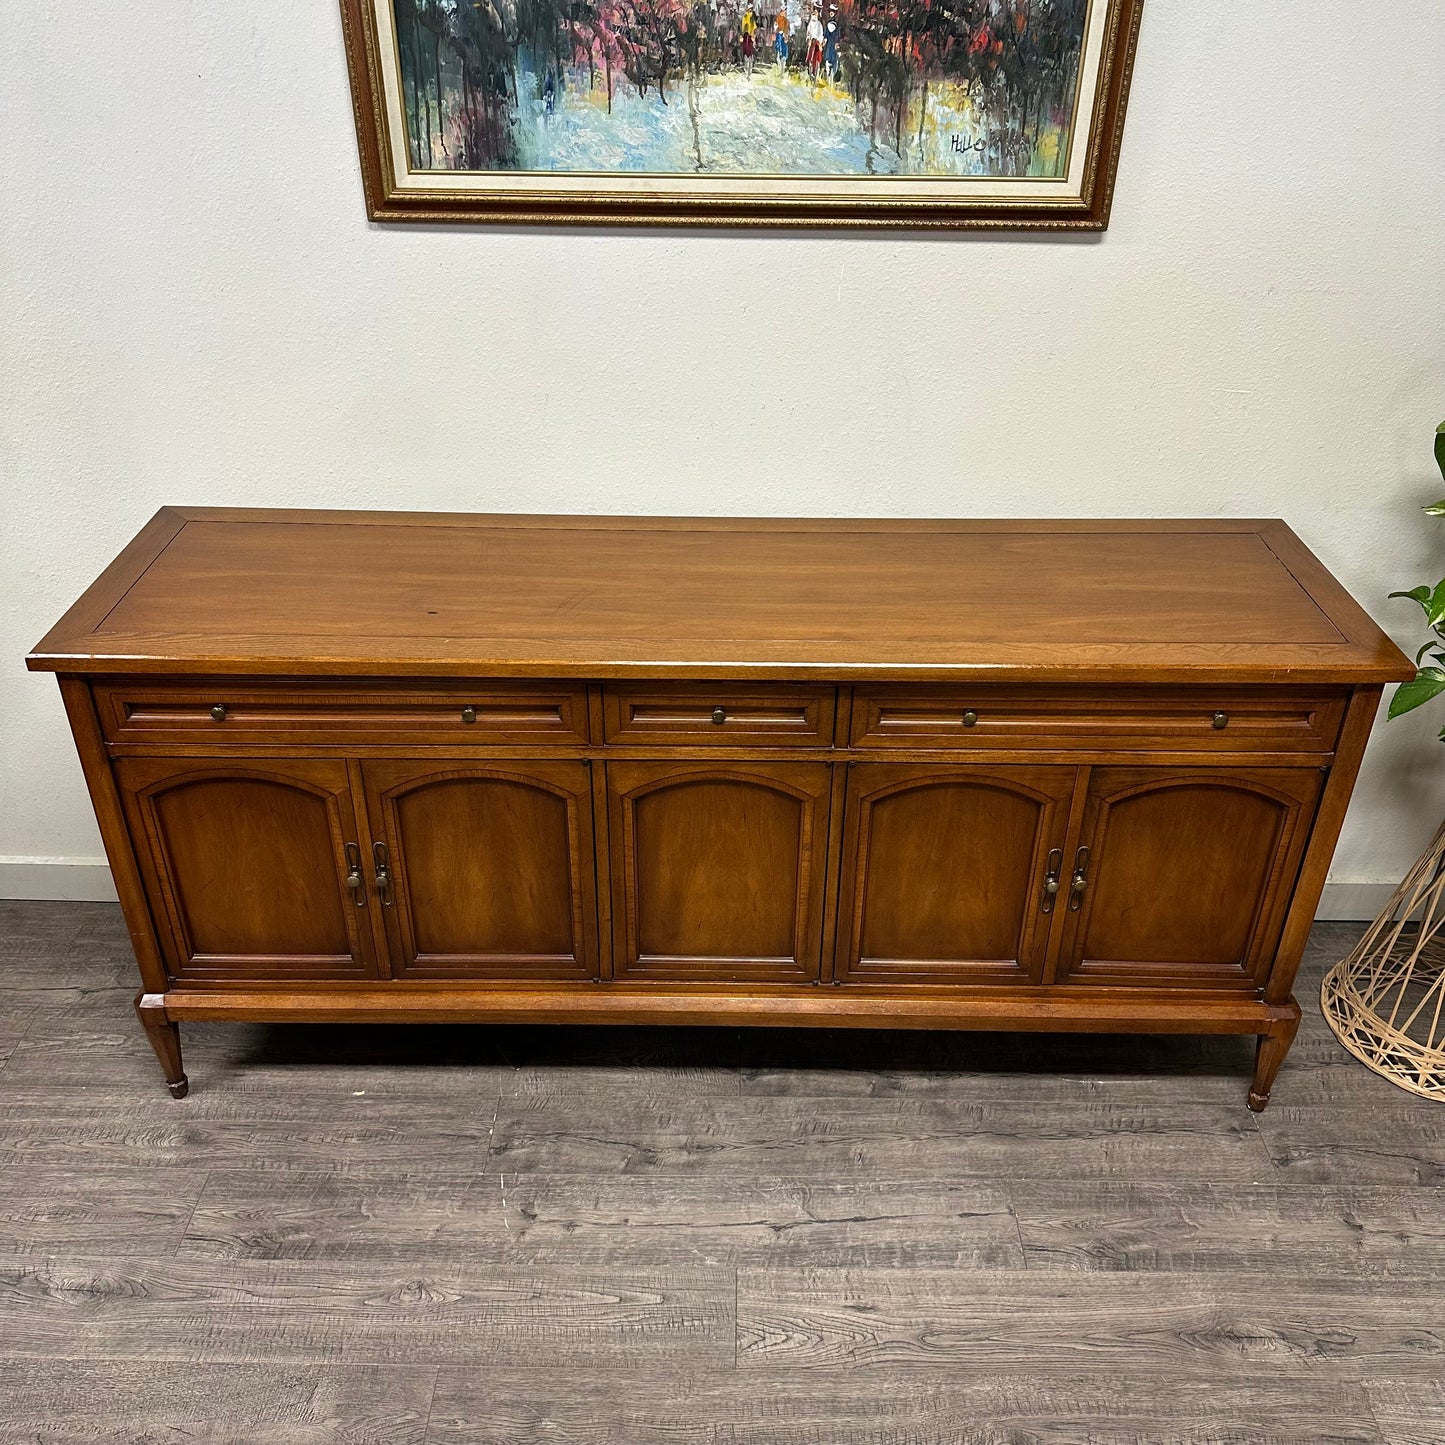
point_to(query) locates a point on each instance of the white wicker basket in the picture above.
(1384, 1000)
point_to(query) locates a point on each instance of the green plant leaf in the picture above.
(1440, 447)
(1432, 601)
(1435, 509)
(1435, 608)
(1420, 594)
(1429, 683)
(1424, 648)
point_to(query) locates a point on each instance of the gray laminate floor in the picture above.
(717, 1237)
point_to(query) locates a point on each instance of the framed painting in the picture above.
(992, 113)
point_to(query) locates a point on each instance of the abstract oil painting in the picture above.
(911, 112)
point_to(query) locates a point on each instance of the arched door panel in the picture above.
(717, 869)
(491, 868)
(944, 872)
(245, 864)
(1188, 874)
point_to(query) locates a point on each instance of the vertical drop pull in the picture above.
(1080, 880)
(383, 874)
(1051, 880)
(354, 880)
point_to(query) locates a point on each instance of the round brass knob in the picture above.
(469, 714)
(719, 715)
(1221, 720)
(970, 718)
(219, 712)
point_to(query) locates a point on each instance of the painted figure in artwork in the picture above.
(814, 60)
(921, 88)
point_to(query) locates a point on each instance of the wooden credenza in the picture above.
(976, 775)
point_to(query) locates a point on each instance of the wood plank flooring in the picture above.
(713, 1237)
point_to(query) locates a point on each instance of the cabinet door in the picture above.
(491, 868)
(944, 872)
(718, 869)
(1187, 876)
(245, 864)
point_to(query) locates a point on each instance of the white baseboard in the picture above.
(70, 880)
(1354, 902)
(88, 880)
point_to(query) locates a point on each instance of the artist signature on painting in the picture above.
(959, 146)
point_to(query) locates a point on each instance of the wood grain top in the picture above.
(434, 594)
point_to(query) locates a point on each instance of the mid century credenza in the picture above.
(906, 774)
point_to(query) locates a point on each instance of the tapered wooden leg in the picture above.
(1269, 1055)
(165, 1039)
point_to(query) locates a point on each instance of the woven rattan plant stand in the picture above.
(1384, 1000)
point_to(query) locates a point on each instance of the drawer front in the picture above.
(231, 710)
(757, 715)
(1213, 720)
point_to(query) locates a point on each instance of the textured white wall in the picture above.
(194, 310)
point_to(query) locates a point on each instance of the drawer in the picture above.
(238, 710)
(753, 715)
(1176, 719)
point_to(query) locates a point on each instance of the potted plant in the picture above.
(1429, 681)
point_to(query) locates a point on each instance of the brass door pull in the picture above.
(469, 714)
(719, 715)
(1220, 720)
(970, 718)
(383, 874)
(218, 712)
(1080, 879)
(354, 880)
(1051, 880)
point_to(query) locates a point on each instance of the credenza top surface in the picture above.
(430, 594)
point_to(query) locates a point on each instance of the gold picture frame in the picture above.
(421, 72)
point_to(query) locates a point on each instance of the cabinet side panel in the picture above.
(1329, 819)
(85, 727)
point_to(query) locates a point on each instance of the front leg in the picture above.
(165, 1039)
(1269, 1055)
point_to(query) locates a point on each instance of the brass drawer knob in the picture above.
(218, 711)
(1220, 720)
(469, 714)
(970, 718)
(719, 715)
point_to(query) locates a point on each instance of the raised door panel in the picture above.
(944, 872)
(718, 870)
(1187, 876)
(245, 862)
(491, 868)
